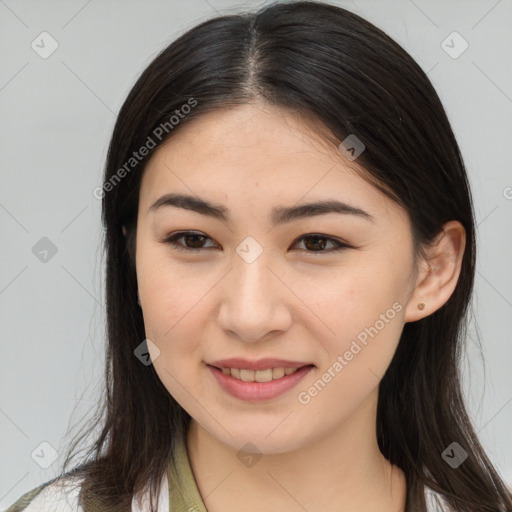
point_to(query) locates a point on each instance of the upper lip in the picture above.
(260, 364)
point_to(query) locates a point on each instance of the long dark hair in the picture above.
(348, 77)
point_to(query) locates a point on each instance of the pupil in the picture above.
(196, 237)
(318, 239)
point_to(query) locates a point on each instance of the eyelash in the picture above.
(172, 240)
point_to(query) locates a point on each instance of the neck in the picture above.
(346, 467)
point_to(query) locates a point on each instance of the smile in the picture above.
(258, 375)
(258, 385)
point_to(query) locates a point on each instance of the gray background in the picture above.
(57, 114)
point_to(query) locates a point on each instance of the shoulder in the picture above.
(57, 495)
(62, 495)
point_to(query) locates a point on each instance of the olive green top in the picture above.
(183, 492)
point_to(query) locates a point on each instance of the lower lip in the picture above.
(256, 391)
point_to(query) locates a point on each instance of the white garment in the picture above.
(435, 502)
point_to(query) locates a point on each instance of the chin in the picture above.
(256, 441)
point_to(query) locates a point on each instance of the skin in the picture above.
(293, 302)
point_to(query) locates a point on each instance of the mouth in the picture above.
(266, 375)
(257, 385)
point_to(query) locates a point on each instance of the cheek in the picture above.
(172, 319)
(361, 313)
(172, 307)
(170, 293)
(365, 315)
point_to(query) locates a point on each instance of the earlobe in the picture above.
(440, 272)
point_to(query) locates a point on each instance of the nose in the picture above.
(255, 300)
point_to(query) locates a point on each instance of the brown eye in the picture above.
(197, 241)
(194, 241)
(317, 243)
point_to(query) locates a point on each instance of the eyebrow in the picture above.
(279, 215)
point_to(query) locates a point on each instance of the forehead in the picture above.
(252, 133)
(257, 154)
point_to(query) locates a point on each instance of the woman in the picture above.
(290, 260)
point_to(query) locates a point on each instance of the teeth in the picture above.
(259, 375)
(277, 373)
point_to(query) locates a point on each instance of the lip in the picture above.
(259, 391)
(261, 364)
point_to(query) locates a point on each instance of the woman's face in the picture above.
(320, 289)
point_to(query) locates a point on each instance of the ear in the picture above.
(438, 272)
(123, 228)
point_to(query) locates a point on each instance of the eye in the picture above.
(317, 242)
(196, 238)
(320, 241)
